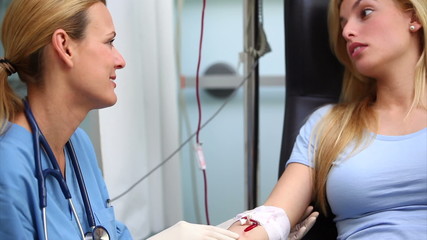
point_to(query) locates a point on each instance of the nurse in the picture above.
(63, 51)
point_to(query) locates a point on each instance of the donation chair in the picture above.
(313, 79)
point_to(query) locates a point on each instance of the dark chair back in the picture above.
(313, 79)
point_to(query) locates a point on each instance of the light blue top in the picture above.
(379, 192)
(20, 214)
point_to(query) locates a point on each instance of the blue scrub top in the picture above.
(20, 214)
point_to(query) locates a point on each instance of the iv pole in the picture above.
(251, 101)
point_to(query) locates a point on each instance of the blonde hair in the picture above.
(27, 28)
(347, 122)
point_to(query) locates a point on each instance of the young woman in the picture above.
(50, 184)
(365, 158)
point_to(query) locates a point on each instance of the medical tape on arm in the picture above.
(273, 219)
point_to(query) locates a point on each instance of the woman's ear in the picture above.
(415, 24)
(62, 45)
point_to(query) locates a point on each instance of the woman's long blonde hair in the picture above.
(348, 121)
(27, 28)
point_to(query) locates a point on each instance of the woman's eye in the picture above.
(366, 12)
(111, 42)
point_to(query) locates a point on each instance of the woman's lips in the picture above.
(356, 48)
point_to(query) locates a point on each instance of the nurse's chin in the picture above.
(105, 103)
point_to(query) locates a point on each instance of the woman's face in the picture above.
(96, 61)
(378, 35)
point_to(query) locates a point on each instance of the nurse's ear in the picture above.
(62, 45)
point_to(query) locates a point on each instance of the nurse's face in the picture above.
(96, 61)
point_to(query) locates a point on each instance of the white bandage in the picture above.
(273, 219)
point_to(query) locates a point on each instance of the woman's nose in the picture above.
(348, 31)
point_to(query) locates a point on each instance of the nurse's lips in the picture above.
(356, 48)
(112, 78)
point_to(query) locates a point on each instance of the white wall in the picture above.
(142, 128)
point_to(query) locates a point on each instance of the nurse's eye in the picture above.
(366, 12)
(111, 42)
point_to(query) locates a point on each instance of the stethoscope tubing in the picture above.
(40, 140)
(41, 175)
(82, 185)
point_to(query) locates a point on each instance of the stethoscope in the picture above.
(97, 232)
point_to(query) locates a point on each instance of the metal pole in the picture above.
(251, 102)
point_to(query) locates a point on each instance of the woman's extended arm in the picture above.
(292, 193)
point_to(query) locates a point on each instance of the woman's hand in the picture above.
(307, 221)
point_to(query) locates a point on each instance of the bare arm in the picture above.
(293, 193)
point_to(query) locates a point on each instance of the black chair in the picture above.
(313, 79)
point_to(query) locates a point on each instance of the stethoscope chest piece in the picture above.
(99, 233)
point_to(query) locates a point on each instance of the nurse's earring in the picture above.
(412, 28)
